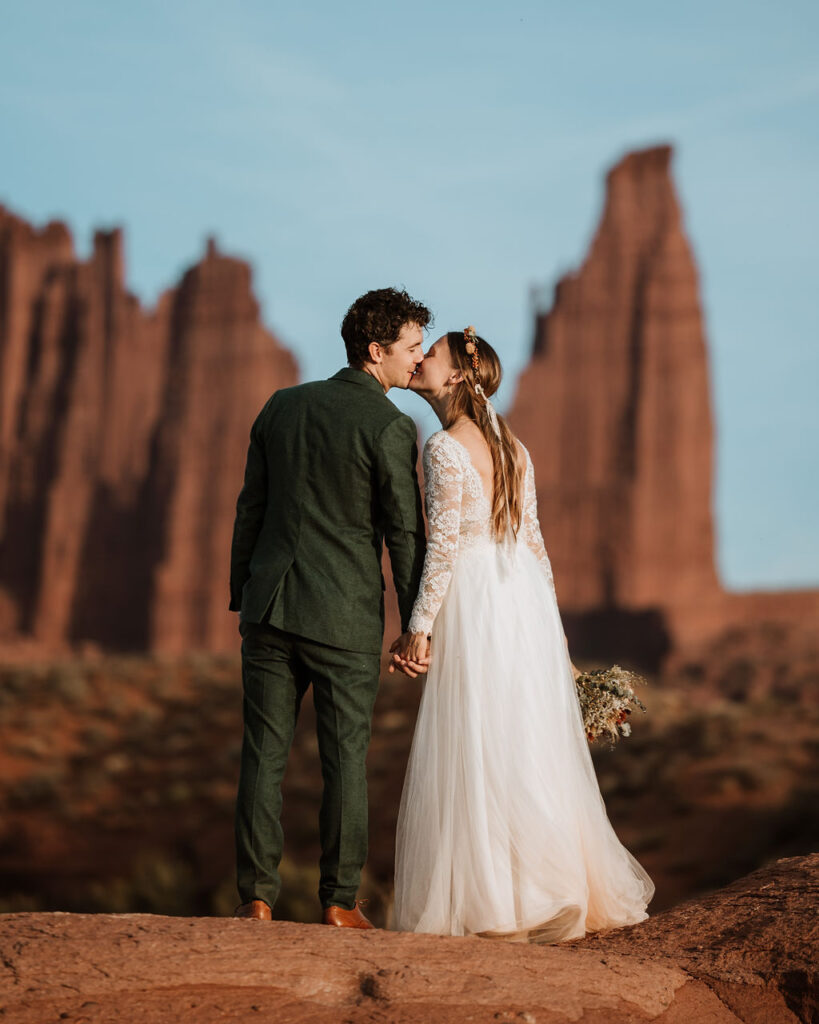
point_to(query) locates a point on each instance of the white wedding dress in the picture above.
(502, 828)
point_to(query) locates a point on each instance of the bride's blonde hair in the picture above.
(481, 370)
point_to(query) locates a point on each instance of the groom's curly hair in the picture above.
(379, 316)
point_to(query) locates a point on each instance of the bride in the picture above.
(502, 830)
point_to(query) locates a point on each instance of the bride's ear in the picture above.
(456, 377)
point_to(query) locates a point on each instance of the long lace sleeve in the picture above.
(443, 485)
(530, 525)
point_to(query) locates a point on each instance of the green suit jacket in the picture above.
(330, 474)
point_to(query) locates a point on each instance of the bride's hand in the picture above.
(417, 650)
(575, 670)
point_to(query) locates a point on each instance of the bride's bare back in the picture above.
(469, 435)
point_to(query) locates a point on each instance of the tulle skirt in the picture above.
(502, 829)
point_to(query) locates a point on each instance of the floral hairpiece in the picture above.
(471, 346)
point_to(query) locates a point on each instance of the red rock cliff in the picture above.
(616, 411)
(123, 434)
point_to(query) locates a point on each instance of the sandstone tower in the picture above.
(615, 408)
(123, 434)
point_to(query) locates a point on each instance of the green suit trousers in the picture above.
(277, 668)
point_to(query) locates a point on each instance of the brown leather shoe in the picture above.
(342, 918)
(256, 909)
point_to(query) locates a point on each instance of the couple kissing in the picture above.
(502, 831)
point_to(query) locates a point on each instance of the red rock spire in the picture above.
(123, 434)
(615, 408)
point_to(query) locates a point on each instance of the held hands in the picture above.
(410, 654)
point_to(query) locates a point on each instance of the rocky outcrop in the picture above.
(746, 954)
(123, 434)
(615, 408)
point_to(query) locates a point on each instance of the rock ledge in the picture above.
(744, 954)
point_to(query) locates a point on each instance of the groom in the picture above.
(330, 474)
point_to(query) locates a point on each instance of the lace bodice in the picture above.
(459, 515)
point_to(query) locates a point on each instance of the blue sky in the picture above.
(457, 149)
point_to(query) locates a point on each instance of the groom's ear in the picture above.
(376, 352)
